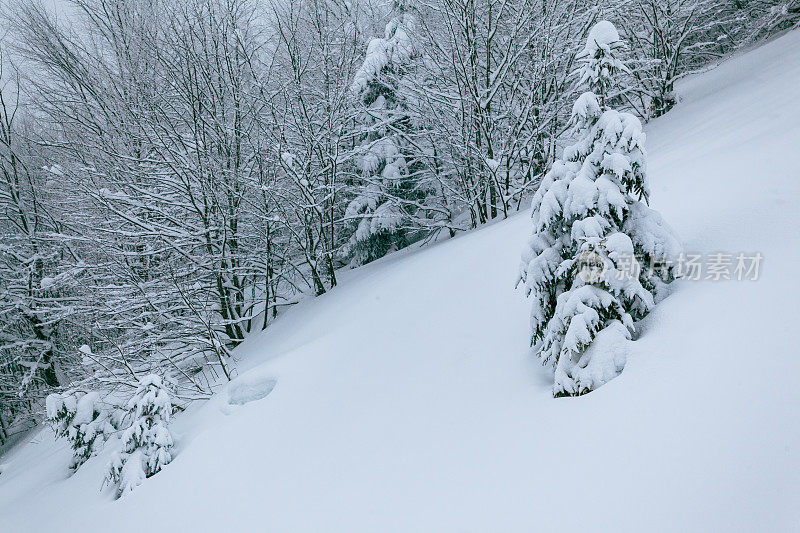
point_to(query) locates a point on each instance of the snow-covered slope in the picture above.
(407, 399)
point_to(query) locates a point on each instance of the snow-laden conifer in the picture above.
(386, 196)
(147, 443)
(598, 257)
(79, 418)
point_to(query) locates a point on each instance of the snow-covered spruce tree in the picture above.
(598, 258)
(387, 194)
(79, 418)
(147, 443)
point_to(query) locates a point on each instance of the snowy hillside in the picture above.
(407, 398)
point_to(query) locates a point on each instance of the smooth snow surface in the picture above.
(407, 398)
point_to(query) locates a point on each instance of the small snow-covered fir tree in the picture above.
(386, 196)
(147, 443)
(598, 258)
(79, 418)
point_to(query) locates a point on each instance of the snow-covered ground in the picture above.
(407, 399)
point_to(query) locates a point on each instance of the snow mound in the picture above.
(242, 391)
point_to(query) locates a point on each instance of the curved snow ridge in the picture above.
(249, 388)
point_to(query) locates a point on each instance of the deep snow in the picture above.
(407, 399)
